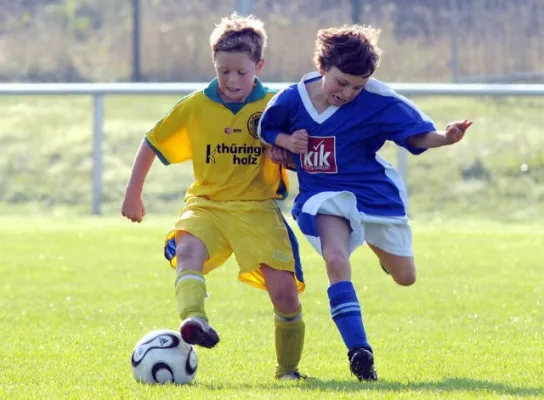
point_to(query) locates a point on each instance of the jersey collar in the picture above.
(212, 92)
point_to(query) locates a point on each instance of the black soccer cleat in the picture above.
(361, 364)
(197, 331)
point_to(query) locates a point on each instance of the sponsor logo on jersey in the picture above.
(321, 155)
(240, 154)
(228, 131)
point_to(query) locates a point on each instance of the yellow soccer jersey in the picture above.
(229, 161)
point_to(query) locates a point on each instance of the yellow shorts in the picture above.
(255, 231)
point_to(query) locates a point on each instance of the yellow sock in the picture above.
(190, 294)
(289, 341)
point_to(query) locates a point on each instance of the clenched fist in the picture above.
(298, 142)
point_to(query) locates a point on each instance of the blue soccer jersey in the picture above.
(343, 143)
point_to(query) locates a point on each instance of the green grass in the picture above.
(76, 295)
(46, 144)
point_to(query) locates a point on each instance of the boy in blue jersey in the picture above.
(333, 122)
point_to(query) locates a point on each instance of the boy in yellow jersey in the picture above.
(231, 206)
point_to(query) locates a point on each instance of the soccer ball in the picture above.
(161, 356)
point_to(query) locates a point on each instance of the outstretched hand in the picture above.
(455, 131)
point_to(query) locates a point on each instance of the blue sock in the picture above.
(346, 313)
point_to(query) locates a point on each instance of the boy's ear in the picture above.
(259, 67)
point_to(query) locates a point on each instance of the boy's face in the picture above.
(236, 73)
(340, 88)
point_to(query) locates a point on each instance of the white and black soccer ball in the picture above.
(161, 356)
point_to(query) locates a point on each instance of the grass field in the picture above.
(76, 295)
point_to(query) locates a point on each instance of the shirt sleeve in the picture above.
(403, 121)
(275, 119)
(169, 138)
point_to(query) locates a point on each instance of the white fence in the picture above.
(99, 90)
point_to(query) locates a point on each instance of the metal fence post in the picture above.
(98, 135)
(402, 165)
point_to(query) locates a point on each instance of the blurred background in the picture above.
(46, 142)
(167, 40)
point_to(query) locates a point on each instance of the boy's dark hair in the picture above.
(239, 33)
(351, 49)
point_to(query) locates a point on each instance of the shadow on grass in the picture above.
(445, 385)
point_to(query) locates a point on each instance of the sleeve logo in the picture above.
(253, 124)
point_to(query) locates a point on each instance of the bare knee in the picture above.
(401, 268)
(191, 252)
(405, 276)
(286, 299)
(282, 289)
(338, 267)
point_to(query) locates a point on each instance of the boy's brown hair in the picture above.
(351, 49)
(239, 33)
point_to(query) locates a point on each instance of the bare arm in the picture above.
(428, 140)
(140, 168)
(296, 143)
(133, 206)
(454, 133)
(283, 141)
